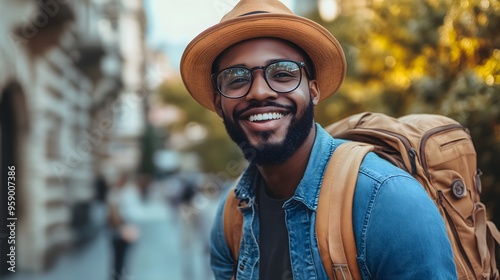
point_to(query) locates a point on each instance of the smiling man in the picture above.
(255, 109)
(263, 69)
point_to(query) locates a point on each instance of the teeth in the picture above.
(265, 117)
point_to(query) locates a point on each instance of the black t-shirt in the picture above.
(273, 244)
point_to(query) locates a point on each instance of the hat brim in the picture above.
(323, 49)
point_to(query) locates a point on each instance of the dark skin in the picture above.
(281, 179)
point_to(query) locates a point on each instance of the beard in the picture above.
(273, 153)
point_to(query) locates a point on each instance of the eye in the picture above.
(283, 75)
(237, 82)
(234, 78)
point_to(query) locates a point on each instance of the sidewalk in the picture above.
(168, 249)
(90, 262)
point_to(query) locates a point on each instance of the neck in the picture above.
(282, 179)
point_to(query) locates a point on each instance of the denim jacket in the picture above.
(398, 230)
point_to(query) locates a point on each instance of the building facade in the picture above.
(64, 69)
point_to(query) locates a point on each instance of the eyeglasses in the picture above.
(281, 76)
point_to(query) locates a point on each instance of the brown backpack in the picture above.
(437, 151)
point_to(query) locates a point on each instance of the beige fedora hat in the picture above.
(261, 18)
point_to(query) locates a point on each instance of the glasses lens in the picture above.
(234, 82)
(283, 76)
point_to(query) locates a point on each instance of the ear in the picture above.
(314, 91)
(218, 105)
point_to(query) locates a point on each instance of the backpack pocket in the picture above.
(448, 159)
(462, 235)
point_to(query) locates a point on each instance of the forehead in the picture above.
(258, 51)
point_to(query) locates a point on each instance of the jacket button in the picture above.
(458, 189)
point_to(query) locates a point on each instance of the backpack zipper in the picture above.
(412, 153)
(455, 233)
(430, 133)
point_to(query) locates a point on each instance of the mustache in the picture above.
(291, 108)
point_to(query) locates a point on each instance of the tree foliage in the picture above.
(431, 56)
(216, 150)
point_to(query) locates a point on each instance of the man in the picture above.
(263, 69)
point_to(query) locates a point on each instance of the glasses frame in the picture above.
(264, 68)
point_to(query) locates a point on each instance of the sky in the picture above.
(172, 24)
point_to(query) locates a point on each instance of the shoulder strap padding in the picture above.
(333, 219)
(334, 226)
(233, 221)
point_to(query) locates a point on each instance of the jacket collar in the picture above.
(307, 191)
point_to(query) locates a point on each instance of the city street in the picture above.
(169, 248)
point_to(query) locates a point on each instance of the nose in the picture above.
(260, 90)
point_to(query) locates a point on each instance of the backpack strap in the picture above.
(333, 220)
(233, 225)
(334, 213)
(493, 239)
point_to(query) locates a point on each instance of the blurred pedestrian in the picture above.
(120, 217)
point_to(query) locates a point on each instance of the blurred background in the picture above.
(113, 158)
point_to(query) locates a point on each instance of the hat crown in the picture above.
(258, 19)
(248, 7)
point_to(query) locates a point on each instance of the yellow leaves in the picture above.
(490, 70)
(400, 79)
(448, 33)
(437, 40)
(360, 92)
(490, 80)
(379, 43)
(400, 66)
(482, 19)
(464, 4)
(390, 61)
(469, 46)
(421, 63)
(484, 5)
(395, 9)
(455, 53)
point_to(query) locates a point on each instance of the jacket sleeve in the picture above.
(220, 257)
(401, 234)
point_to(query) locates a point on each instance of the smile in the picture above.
(265, 117)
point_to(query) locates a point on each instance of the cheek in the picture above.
(304, 98)
(227, 108)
